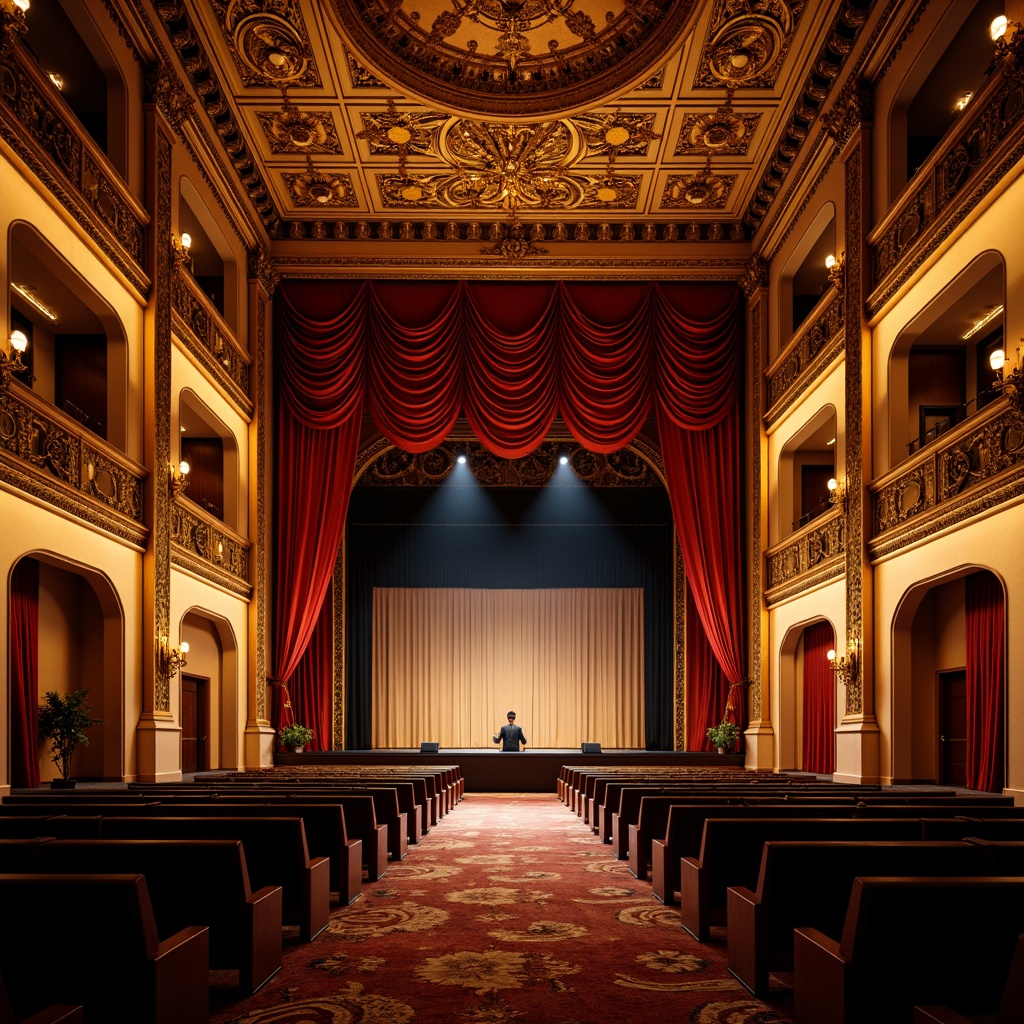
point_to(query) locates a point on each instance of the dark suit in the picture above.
(510, 736)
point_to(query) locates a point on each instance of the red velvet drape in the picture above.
(985, 620)
(307, 683)
(706, 687)
(511, 357)
(24, 653)
(819, 718)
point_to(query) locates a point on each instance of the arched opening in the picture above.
(210, 449)
(209, 701)
(77, 350)
(210, 259)
(805, 277)
(939, 372)
(67, 633)
(807, 464)
(808, 700)
(948, 715)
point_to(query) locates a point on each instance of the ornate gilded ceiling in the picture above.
(542, 120)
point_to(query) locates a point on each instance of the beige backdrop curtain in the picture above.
(449, 663)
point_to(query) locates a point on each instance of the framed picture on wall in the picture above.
(935, 420)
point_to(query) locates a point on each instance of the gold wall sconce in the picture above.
(836, 267)
(846, 667)
(181, 247)
(172, 659)
(179, 477)
(10, 364)
(837, 494)
(1009, 380)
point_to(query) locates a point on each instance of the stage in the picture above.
(491, 771)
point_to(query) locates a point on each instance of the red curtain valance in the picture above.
(510, 357)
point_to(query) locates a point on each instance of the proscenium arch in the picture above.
(112, 658)
(789, 727)
(372, 451)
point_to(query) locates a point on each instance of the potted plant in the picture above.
(294, 737)
(63, 718)
(724, 736)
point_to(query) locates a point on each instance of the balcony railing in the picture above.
(51, 456)
(198, 324)
(202, 544)
(809, 557)
(983, 146)
(810, 350)
(43, 130)
(967, 470)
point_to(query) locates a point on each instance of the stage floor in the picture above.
(491, 771)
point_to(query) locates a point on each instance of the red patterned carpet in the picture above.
(510, 910)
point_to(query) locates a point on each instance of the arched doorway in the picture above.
(807, 699)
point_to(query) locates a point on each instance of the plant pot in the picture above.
(722, 750)
(294, 750)
(62, 784)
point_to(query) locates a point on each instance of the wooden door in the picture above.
(195, 716)
(953, 727)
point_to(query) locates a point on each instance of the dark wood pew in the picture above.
(113, 961)
(59, 826)
(245, 925)
(730, 854)
(275, 854)
(909, 941)
(1001, 856)
(49, 1015)
(1011, 1005)
(21, 855)
(934, 827)
(807, 884)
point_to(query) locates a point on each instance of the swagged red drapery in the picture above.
(819, 718)
(706, 689)
(510, 357)
(985, 621)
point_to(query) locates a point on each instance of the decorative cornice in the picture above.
(165, 89)
(755, 276)
(854, 106)
(260, 267)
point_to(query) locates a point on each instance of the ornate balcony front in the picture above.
(984, 146)
(208, 338)
(819, 340)
(973, 467)
(52, 457)
(40, 127)
(203, 545)
(805, 559)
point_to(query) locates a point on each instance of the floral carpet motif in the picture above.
(509, 911)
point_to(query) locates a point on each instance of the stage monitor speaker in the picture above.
(429, 748)
(591, 748)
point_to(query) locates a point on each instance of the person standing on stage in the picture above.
(510, 736)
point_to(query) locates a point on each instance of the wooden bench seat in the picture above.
(192, 882)
(275, 854)
(113, 960)
(808, 884)
(909, 941)
(48, 1015)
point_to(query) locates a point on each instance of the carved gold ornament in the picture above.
(269, 46)
(724, 132)
(319, 188)
(514, 59)
(748, 42)
(411, 131)
(299, 131)
(702, 191)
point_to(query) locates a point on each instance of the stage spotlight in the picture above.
(461, 460)
(564, 460)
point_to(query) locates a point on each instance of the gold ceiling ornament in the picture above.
(724, 133)
(268, 41)
(748, 42)
(514, 246)
(702, 191)
(320, 188)
(299, 131)
(614, 133)
(514, 59)
(402, 133)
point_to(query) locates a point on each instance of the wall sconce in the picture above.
(846, 667)
(12, 22)
(180, 247)
(837, 494)
(12, 364)
(836, 267)
(1009, 381)
(171, 658)
(179, 477)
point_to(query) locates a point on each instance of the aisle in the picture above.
(509, 910)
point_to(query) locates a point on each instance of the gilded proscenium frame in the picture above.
(650, 456)
(965, 472)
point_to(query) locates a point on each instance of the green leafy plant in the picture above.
(296, 735)
(63, 718)
(724, 735)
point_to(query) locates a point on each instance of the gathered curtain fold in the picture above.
(510, 357)
(24, 653)
(819, 710)
(985, 620)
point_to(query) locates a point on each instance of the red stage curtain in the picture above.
(706, 686)
(819, 719)
(24, 641)
(511, 357)
(986, 623)
(307, 683)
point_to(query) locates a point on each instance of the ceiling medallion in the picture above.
(748, 42)
(319, 188)
(704, 191)
(269, 48)
(402, 133)
(514, 59)
(299, 131)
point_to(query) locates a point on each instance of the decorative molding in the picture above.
(291, 130)
(202, 544)
(701, 191)
(806, 559)
(810, 351)
(262, 446)
(757, 449)
(37, 124)
(338, 622)
(723, 133)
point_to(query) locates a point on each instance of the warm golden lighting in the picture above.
(981, 322)
(846, 667)
(26, 293)
(179, 477)
(998, 28)
(962, 102)
(830, 261)
(997, 360)
(186, 241)
(19, 341)
(171, 659)
(57, 79)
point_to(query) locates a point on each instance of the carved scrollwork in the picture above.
(799, 562)
(206, 546)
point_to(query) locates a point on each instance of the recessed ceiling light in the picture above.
(25, 291)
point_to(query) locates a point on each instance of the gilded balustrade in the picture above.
(807, 558)
(203, 545)
(817, 342)
(203, 330)
(51, 456)
(42, 129)
(973, 467)
(984, 145)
